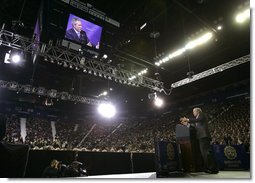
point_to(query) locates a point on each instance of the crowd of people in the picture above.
(229, 123)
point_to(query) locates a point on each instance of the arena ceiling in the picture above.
(174, 21)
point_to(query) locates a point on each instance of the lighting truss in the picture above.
(51, 93)
(212, 71)
(74, 59)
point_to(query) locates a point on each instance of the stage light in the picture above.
(16, 58)
(143, 26)
(177, 53)
(105, 56)
(158, 102)
(104, 93)
(192, 44)
(52, 60)
(243, 16)
(132, 77)
(219, 27)
(65, 64)
(189, 45)
(107, 110)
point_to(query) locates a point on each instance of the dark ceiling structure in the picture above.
(169, 25)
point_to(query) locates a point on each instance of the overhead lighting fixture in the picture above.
(106, 110)
(174, 54)
(203, 39)
(105, 56)
(158, 102)
(243, 16)
(143, 26)
(65, 64)
(139, 74)
(219, 27)
(15, 58)
(190, 45)
(132, 77)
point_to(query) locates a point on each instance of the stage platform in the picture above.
(198, 175)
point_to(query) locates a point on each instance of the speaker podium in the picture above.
(191, 158)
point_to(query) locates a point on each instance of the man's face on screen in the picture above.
(78, 26)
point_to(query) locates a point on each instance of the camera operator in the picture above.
(52, 171)
(76, 169)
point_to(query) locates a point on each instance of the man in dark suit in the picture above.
(203, 135)
(77, 34)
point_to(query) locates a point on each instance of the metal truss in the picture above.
(212, 71)
(75, 60)
(50, 93)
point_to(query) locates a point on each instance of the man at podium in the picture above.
(199, 122)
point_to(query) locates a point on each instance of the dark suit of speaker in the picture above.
(201, 126)
(203, 135)
(72, 35)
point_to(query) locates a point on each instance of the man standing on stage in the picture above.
(202, 134)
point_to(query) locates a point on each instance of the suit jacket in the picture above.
(71, 34)
(201, 126)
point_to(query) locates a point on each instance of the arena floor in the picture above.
(198, 175)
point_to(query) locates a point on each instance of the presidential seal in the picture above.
(230, 152)
(170, 151)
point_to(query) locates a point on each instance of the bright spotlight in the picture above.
(105, 56)
(158, 102)
(16, 58)
(192, 44)
(106, 110)
(219, 27)
(243, 16)
(105, 93)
